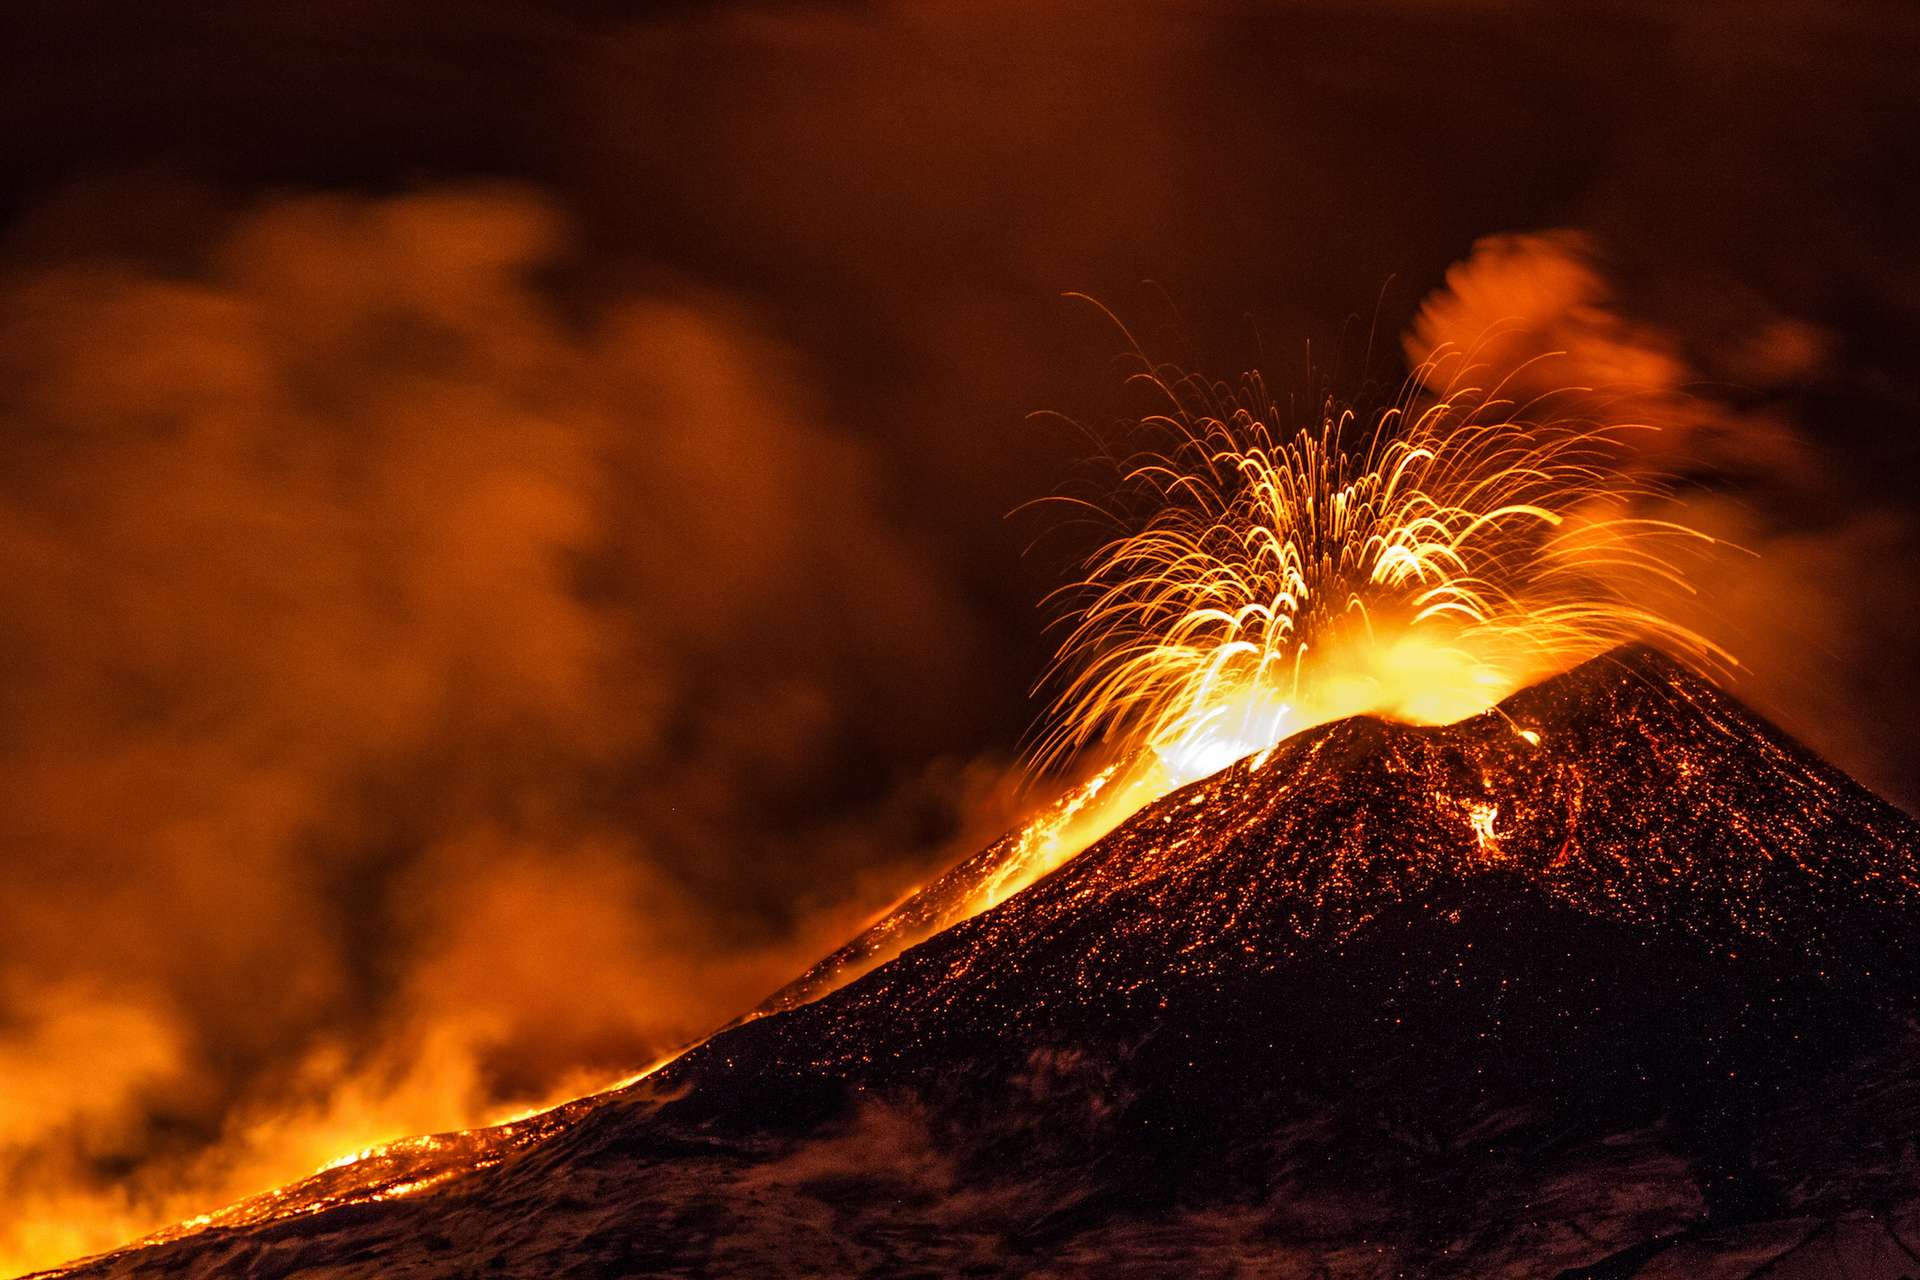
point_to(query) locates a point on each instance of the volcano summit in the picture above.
(1611, 980)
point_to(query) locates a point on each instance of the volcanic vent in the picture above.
(1610, 980)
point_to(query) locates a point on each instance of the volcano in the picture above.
(1612, 980)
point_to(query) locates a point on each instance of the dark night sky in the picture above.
(487, 481)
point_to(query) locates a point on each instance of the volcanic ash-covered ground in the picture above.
(1611, 981)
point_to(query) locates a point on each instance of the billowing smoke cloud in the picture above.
(1537, 316)
(416, 696)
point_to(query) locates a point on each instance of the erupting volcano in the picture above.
(1354, 957)
(789, 637)
(1610, 979)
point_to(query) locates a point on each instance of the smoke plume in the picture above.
(403, 677)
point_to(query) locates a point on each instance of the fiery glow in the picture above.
(1482, 815)
(1421, 566)
(403, 1166)
(1080, 818)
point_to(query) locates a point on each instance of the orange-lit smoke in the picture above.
(391, 680)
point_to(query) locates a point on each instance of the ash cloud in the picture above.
(402, 681)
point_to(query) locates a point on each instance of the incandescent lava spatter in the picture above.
(1612, 980)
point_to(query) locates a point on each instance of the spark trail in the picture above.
(1420, 565)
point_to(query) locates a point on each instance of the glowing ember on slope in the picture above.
(1483, 815)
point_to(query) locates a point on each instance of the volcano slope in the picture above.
(1613, 980)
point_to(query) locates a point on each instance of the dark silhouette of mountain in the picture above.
(1614, 980)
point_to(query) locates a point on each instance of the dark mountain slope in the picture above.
(1610, 978)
